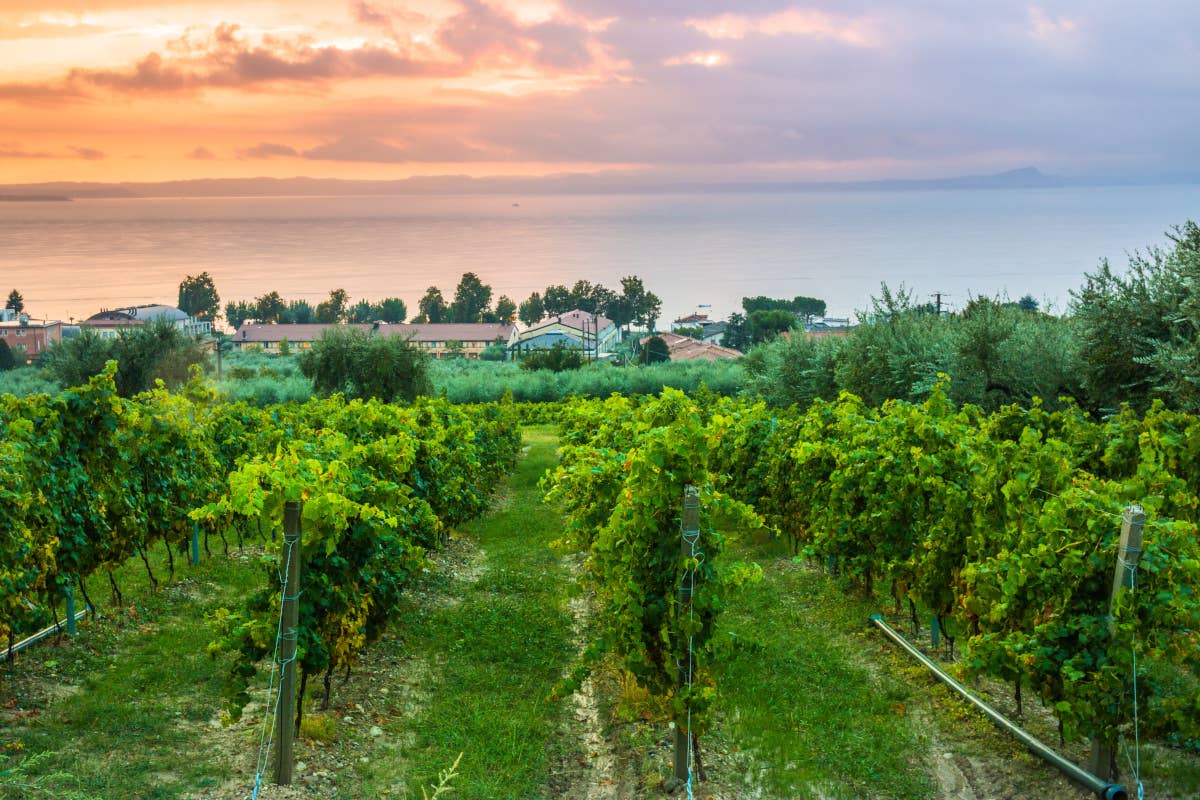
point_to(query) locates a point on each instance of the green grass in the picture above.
(122, 709)
(799, 695)
(496, 654)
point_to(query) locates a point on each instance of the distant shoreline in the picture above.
(515, 188)
(34, 198)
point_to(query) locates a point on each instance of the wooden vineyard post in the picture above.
(690, 530)
(72, 630)
(1128, 552)
(290, 616)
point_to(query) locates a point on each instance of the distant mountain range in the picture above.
(1026, 178)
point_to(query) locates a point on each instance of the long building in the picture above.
(439, 340)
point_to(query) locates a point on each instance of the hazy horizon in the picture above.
(72, 259)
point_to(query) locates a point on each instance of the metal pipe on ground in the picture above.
(44, 632)
(1109, 791)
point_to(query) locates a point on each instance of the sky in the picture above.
(708, 90)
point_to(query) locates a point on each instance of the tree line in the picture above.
(472, 301)
(1129, 337)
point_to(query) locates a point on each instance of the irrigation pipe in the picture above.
(1109, 791)
(43, 633)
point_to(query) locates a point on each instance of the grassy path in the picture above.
(115, 712)
(497, 648)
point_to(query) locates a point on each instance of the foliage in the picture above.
(361, 364)
(299, 312)
(378, 484)
(655, 351)
(765, 325)
(471, 299)
(146, 353)
(433, 307)
(557, 358)
(532, 311)
(474, 381)
(198, 297)
(15, 301)
(556, 300)
(622, 481)
(269, 308)
(238, 312)
(334, 309)
(799, 306)
(506, 309)
(1004, 526)
(7, 361)
(496, 351)
(1139, 331)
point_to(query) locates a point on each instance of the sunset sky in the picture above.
(108, 90)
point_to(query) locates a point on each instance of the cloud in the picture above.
(358, 148)
(481, 33)
(15, 151)
(202, 154)
(226, 59)
(88, 153)
(269, 150)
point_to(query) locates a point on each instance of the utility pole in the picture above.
(937, 301)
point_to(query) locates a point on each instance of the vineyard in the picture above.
(997, 534)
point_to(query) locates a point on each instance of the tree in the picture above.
(333, 310)
(766, 325)
(363, 365)
(471, 299)
(269, 308)
(285, 347)
(558, 358)
(198, 297)
(737, 332)
(506, 309)
(363, 311)
(392, 310)
(532, 310)
(299, 312)
(655, 351)
(645, 306)
(1139, 331)
(433, 307)
(1027, 303)
(496, 351)
(145, 353)
(620, 311)
(454, 348)
(7, 360)
(556, 300)
(239, 312)
(15, 301)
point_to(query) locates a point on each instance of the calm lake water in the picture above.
(72, 259)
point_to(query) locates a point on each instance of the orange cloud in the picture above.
(812, 23)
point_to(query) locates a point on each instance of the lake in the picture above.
(69, 260)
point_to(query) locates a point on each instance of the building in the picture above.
(439, 340)
(108, 322)
(32, 336)
(453, 339)
(827, 326)
(685, 348)
(594, 334)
